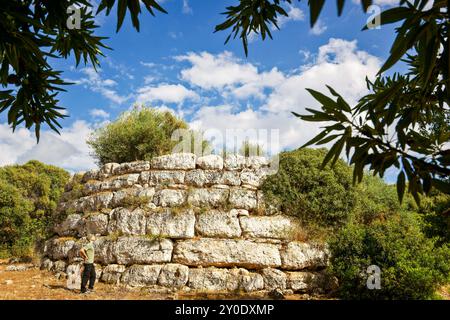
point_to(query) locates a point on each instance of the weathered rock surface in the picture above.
(170, 198)
(131, 250)
(173, 275)
(126, 222)
(210, 162)
(226, 253)
(243, 199)
(112, 273)
(299, 255)
(141, 275)
(217, 223)
(277, 227)
(274, 279)
(208, 197)
(70, 225)
(170, 224)
(175, 161)
(234, 162)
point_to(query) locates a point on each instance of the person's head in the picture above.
(91, 238)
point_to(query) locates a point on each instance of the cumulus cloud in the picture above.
(99, 113)
(339, 64)
(318, 28)
(227, 74)
(106, 87)
(169, 93)
(68, 150)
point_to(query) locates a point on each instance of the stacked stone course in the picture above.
(186, 222)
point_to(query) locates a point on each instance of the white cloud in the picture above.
(68, 150)
(169, 93)
(99, 113)
(186, 8)
(339, 63)
(105, 87)
(318, 28)
(294, 14)
(228, 75)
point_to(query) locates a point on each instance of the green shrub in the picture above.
(412, 267)
(323, 198)
(139, 134)
(29, 195)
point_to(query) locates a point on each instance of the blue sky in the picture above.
(177, 63)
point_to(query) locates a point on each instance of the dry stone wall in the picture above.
(189, 223)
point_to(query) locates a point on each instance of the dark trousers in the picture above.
(88, 275)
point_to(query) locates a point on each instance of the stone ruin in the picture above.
(185, 223)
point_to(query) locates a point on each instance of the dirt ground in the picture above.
(35, 284)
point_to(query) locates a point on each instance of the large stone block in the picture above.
(252, 177)
(129, 167)
(96, 223)
(216, 223)
(112, 273)
(58, 249)
(173, 275)
(317, 282)
(274, 279)
(200, 178)
(169, 224)
(231, 178)
(226, 253)
(212, 279)
(208, 197)
(70, 225)
(130, 250)
(211, 161)
(126, 222)
(299, 255)
(141, 275)
(243, 198)
(164, 177)
(256, 162)
(276, 227)
(218, 279)
(234, 162)
(170, 198)
(175, 161)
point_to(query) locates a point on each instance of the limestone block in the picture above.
(129, 167)
(274, 279)
(226, 253)
(210, 162)
(200, 178)
(169, 224)
(170, 198)
(73, 277)
(276, 227)
(243, 198)
(208, 197)
(256, 162)
(112, 273)
(90, 175)
(70, 225)
(252, 177)
(107, 170)
(212, 279)
(300, 255)
(173, 275)
(175, 161)
(231, 178)
(96, 224)
(129, 250)
(58, 249)
(216, 223)
(234, 162)
(164, 177)
(126, 222)
(317, 282)
(141, 275)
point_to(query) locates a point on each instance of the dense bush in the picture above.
(323, 198)
(29, 195)
(139, 134)
(412, 266)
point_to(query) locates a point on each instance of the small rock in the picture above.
(276, 294)
(8, 282)
(17, 268)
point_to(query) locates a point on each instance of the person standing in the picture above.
(88, 275)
